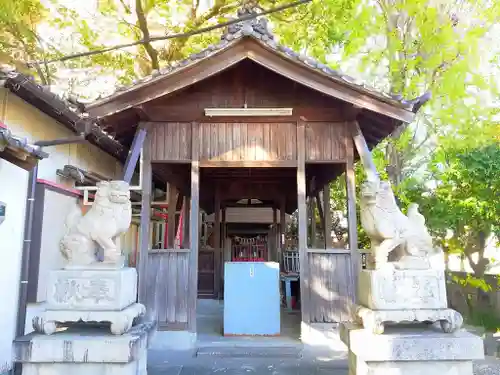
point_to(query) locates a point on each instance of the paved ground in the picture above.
(277, 356)
(158, 364)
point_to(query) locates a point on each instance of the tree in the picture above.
(19, 40)
(406, 47)
(463, 209)
(91, 26)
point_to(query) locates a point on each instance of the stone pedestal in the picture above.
(84, 351)
(392, 289)
(410, 351)
(91, 295)
(389, 295)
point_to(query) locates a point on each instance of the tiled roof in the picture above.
(8, 140)
(69, 114)
(257, 28)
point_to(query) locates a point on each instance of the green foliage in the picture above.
(463, 208)
(19, 41)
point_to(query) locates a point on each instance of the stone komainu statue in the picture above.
(108, 218)
(400, 238)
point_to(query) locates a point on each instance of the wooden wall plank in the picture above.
(167, 282)
(325, 141)
(245, 141)
(330, 293)
(171, 141)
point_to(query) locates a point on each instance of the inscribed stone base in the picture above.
(121, 321)
(92, 289)
(376, 320)
(392, 289)
(410, 351)
(84, 351)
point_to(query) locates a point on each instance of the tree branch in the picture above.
(174, 36)
(143, 25)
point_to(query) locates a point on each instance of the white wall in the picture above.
(56, 208)
(13, 185)
(26, 121)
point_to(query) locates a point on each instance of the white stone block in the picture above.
(121, 321)
(410, 351)
(393, 289)
(376, 320)
(84, 351)
(360, 367)
(91, 289)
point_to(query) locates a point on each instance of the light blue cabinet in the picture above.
(251, 299)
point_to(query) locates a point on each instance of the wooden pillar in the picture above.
(364, 153)
(320, 211)
(352, 227)
(217, 241)
(194, 231)
(282, 225)
(223, 251)
(327, 217)
(274, 236)
(185, 222)
(134, 154)
(312, 215)
(172, 209)
(302, 221)
(144, 233)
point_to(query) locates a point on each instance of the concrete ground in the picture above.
(285, 355)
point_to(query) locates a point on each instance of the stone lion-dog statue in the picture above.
(108, 218)
(402, 240)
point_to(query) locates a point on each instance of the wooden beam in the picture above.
(352, 226)
(320, 210)
(327, 217)
(247, 164)
(144, 233)
(302, 222)
(194, 232)
(172, 202)
(133, 155)
(364, 153)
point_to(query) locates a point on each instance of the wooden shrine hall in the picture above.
(247, 118)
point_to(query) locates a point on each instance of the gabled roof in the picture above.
(251, 39)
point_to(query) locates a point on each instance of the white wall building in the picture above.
(25, 120)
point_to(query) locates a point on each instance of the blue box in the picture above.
(251, 299)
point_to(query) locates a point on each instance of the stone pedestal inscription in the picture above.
(95, 290)
(91, 295)
(392, 289)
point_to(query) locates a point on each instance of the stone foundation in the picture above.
(410, 351)
(84, 351)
